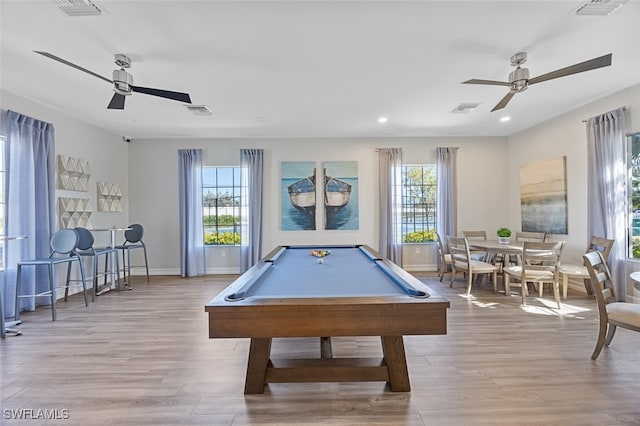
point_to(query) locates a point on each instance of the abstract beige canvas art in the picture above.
(543, 196)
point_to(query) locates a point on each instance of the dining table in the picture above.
(493, 247)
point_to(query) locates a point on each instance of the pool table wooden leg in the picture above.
(396, 360)
(259, 352)
(326, 349)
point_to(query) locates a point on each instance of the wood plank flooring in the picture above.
(143, 357)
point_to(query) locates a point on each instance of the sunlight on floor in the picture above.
(550, 308)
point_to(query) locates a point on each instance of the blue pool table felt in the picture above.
(346, 272)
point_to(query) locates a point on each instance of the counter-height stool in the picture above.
(63, 245)
(133, 241)
(86, 249)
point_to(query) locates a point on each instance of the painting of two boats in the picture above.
(337, 192)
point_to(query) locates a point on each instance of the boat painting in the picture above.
(298, 195)
(302, 194)
(340, 179)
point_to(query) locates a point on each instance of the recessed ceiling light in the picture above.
(505, 119)
(382, 120)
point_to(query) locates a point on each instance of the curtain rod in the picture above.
(454, 147)
(624, 108)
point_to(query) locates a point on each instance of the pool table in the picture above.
(353, 291)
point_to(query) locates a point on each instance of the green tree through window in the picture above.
(418, 203)
(221, 205)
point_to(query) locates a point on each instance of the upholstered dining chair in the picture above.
(521, 237)
(63, 245)
(86, 249)
(540, 262)
(476, 235)
(611, 312)
(567, 270)
(461, 261)
(133, 241)
(445, 258)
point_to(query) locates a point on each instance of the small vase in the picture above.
(503, 240)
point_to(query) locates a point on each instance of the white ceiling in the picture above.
(316, 68)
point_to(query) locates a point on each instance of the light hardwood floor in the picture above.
(144, 357)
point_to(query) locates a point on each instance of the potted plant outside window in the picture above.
(503, 235)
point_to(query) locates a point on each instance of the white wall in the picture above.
(105, 151)
(153, 188)
(566, 136)
(107, 155)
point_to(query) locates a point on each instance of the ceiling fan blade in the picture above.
(55, 58)
(490, 82)
(117, 102)
(592, 64)
(176, 96)
(504, 101)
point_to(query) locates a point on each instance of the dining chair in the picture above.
(445, 258)
(567, 270)
(63, 245)
(611, 312)
(461, 261)
(476, 235)
(523, 236)
(540, 262)
(86, 249)
(133, 241)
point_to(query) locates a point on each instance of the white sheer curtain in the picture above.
(30, 209)
(447, 189)
(192, 254)
(390, 189)
(251, 166)
(607, 188)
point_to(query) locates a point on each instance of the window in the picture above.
(221, 205)
(634, 196)
(418, 203)
(2, 198)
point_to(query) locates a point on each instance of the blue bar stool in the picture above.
(63, 242)
(133, 241)
(86, 248)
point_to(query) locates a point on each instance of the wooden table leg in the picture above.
(259, 352)
(396, 360)
(326, 349)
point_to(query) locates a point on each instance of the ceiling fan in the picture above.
(519, 78)
(123, 82)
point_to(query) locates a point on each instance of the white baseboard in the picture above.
(420, 268)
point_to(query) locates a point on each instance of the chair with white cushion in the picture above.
(611, 312)
(567, 270)
(463, 262)
(540, 262)
(476, 235)
(445, 258)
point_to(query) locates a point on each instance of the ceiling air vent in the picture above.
(464, 108)
(599, 7)
(199, 109)
(78, 7)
